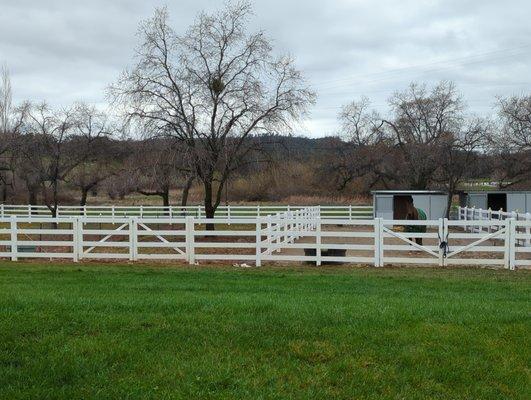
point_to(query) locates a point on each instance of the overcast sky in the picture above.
(67, 50)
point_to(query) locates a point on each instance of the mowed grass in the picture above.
(140, 332)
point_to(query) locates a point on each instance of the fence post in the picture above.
(14, 246)
(377, 242)
(441, 233)
(318, 241)
(381, 239)
(258, 242)
(269, 240)
(278, 230)
(132, 239)
(80, 238)
(190, 239)
(507, 244)
(512, 245)
(528, 230)
(75, 240)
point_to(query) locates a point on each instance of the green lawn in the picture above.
(116, 331)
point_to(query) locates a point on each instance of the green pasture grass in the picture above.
(110, 331)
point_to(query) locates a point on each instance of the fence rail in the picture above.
(300, 235)
(197, 211)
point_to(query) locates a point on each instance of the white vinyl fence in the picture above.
(290, 236)
(478, 214)
(197, 211)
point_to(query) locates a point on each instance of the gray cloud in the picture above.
(65, 50)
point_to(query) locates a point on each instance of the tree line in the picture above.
(210, 109)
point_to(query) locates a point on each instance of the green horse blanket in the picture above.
(418, 228)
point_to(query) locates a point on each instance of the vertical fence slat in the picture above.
(512, 243)
(258, 242)
(442, 237)
(377, 241)
(190, 239)
(14, 245)
(318, 240)
(75, 240)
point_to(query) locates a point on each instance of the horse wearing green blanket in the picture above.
(415, 214)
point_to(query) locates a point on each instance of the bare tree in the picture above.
(510, 147)
(361, 150)
(104, 162)
(56, 142)
(212, 88)
(420, 122)
(515, 116)
(161, 165)
(459, 151)
(10, 122)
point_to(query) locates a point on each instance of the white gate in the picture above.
(432, 252)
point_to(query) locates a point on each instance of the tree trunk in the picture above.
(84, 193)
(186, 191)
(165, 194)
(4, 193)
(451, 192)
(210, 210)
(32, 196)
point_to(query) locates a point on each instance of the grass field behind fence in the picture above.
(139, 332)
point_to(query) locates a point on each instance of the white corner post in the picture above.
(270, 240)
(258, 242)
(442, 237)
(75, 239)
(512, 244)
(133, 249)
(378, 242)
(318, 241)
(528, 230)
(80, 238)
(14, 246)
(190, 239)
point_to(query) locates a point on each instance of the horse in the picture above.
(417, 214)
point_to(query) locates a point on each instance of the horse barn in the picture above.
(392, 204)
(506, 200)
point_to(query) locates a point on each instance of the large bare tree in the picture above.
(459, 151)
(56, 142)
(420, 122)
(511, 146)
(361, 151)
(515, 116)
(10, 123)
(212, 88)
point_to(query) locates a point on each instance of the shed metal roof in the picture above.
(496, 191)
(410, 192)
